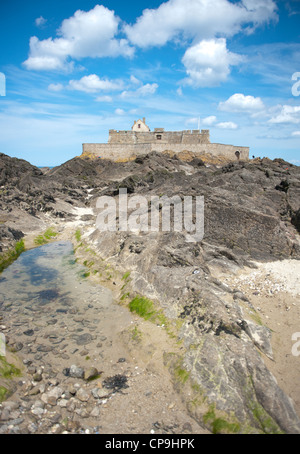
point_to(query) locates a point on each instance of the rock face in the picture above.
(248, 216)
(251, 213)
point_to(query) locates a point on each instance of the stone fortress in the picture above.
(140, 140)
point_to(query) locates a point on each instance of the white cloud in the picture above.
(198, 19)
(192, 121)
(208, 63)
(227, 125)
(241, 103)
(55, 87)
(119, 112)
(147, 89)
(208, 121)
(296, 133)
(144, 90)
(40, 21)
(285, 114)
(85, 34)
(135, 81)
(104, 98)
(93, 84)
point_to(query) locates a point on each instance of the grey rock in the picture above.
(91, 373)
(82, 395)
(84, 339)
(76, 371)
(52, 396)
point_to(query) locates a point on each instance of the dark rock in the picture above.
(28, 332)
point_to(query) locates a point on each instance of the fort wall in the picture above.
(159, 135)
(128, 151)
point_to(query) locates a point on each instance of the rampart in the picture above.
(159, 135)
(124, 152)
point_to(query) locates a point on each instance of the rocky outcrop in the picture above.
(251, 213)
(247, 217)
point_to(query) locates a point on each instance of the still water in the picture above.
(52, 313)
(46, 278)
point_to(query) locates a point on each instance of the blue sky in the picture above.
(75, 69)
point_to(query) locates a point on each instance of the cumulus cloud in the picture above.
(85, 34)
(227, 125)
(198, 19)
(143, 90)
(285, 114)
(93, 84)
(208, 63)
(241, 103)
(208, 121)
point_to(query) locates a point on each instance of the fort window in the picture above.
(158, 136)
(237, 153)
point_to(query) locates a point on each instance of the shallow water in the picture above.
(45, 279)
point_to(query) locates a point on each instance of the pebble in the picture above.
(76, 371)
(82, 395)
(91, 373)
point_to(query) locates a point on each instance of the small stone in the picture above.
(37, 377)
(32, 428)
(76, 372)
(91, 373)
(82, 395)
(18, 346)
(38, 411)
(52, 396)
(100, 393)
(34, 391)
(5, 415)
(95, 412)
(63, 403)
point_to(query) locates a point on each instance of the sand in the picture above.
(274, 290)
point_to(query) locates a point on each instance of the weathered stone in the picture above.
(52, 396)
(82, 395)
(100, 393)
(91, 373)
(76, 371)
